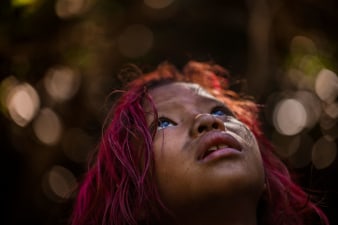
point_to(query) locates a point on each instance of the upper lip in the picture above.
(216, 139)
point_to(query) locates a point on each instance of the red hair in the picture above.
(119, 188)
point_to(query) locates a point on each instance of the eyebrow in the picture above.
(208, 99)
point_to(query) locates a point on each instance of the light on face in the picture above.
(22, 103)
(323, 153)
(289, 117)
(135, 41)
(47, 127)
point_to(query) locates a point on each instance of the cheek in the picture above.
(258, 166)
(171, 167)
(168, 145)
(243, 132)
(254, 161)
(256, 153)
(166, 152)
(169, 157)
(252, 141)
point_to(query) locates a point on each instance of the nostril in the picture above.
(205, 123)
(215, 125)
(202, 128)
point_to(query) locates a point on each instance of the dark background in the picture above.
(250, 38)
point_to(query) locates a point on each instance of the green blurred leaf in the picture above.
(20, 3)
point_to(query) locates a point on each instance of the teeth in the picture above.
(214, 148)
(223, 146)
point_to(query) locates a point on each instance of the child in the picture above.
(181, 148)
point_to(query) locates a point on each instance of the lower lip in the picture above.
(221, 153)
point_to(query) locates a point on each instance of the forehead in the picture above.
(179, 92)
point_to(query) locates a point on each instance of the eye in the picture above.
(164, 123)
(221, 111)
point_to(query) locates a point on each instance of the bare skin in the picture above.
(208, 164)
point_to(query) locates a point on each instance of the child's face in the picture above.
(201, 151)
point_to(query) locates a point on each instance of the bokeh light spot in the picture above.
(6, 86)
(289, 117)
(59, 183)
(22, 103)
(310, 64)
(312, 105)
(326, 85)
(62, 83)
(328, 127)
(286, 146)
(302, 45)
(69, 8)
(326, 121)
(135, 41)
(158, 4)
(332, 109)
(299, 79)
(302, 157)
(323, 153)
(47, 127)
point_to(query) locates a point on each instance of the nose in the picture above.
(206, 122)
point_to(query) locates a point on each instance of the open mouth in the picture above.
(214, 148)
(217, 141)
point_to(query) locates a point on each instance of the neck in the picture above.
(217, 214)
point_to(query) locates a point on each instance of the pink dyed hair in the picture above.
(119, 188)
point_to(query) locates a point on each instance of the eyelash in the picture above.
(162, 120)
(223, 109)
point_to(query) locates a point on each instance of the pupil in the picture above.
(219, 113)
(163, 123)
